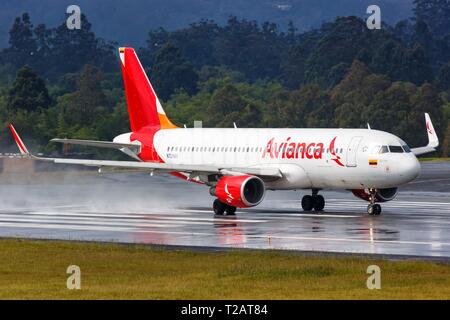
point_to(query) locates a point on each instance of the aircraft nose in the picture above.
(410, 168)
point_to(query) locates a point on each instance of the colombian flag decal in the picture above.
(373, 162)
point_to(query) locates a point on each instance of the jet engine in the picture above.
(381, 195)
(239, 191)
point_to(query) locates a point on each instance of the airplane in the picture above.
(239, 165)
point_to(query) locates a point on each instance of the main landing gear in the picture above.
(373, 209)
(315, 201)
(221, 208)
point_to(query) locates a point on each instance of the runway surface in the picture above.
(137, 208)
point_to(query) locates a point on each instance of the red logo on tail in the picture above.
(430, 131)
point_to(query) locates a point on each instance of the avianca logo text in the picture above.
(299, 150)
(293, 150)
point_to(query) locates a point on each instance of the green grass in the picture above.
(37, 270)
(434, 159)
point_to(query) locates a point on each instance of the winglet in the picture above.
(433, 140)
(22, 148)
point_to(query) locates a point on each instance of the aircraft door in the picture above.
(352, 151)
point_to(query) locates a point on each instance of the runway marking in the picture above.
(431, 180)
(124, 229)
(135, 217)
(91, 222)
(305, 215)
(52, 207)
(392, 202)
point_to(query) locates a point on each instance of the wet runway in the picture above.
(137, 208)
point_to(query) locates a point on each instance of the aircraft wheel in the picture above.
(307, 203)
(219, 207)
(377, 208)
(230, 211)
(374, 209)
(318, 203)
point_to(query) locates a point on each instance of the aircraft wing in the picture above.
(269, 172)
(100, 144)
(422, 150)
(433, 141)
(167, 167)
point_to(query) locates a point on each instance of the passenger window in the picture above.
(383, 149)
(396, 149)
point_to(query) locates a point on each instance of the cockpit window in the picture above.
(406, 148)
(396, 149)
(383, 149)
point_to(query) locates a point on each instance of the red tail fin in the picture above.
(144, 108)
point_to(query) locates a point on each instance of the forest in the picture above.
(56, 82)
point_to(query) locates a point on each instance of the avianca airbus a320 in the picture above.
(240, 165)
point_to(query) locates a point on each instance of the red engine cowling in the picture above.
(382, 195)
(240, 191)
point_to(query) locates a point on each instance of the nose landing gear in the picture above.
(373, 209)
(315, 201)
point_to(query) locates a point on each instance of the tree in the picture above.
(197, 42)
(44, 51)
(435, 13)
(88, 99)
(339, 42)
(402, 63)
(293, 66)
(426, 99)
(225, 107)
(172, 71)
(22, 44)
(443, 78)
(28, 92)
(309, 106)
(256, 52)
(251, 116)
(446, 142)
(72, 49)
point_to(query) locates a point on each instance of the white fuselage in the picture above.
(307, 158)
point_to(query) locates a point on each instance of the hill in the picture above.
(129, 22)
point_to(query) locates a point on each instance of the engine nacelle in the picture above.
(382, 195)
(240, 191)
